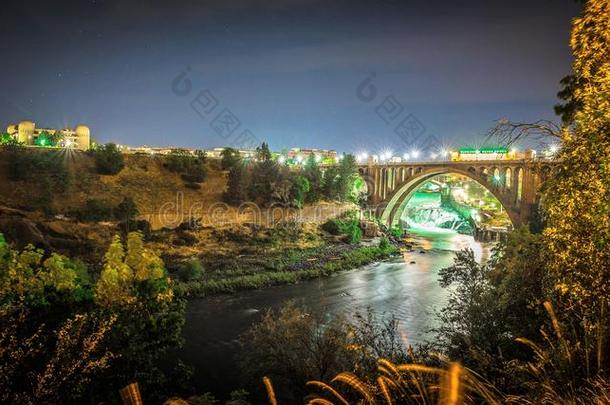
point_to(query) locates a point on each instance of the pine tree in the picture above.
(314, 174)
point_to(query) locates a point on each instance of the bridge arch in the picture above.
(391, 210)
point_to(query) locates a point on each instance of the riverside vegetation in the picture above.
(530, 326)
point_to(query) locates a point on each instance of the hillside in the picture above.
(144, 179)
(32, 210)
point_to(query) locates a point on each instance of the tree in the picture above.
(264, 178)
(329, 185)
(127, 210)
(108, 159)
(577, 198)
(263, 153)
(347, 175)
(313, 173)
(191, 168)
(300, 188)
(229, 158)
(570, 105)
(236, 191)
(115, 284)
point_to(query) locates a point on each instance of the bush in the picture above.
(384, 243)
(191, 168)
(191, 270)
(95, 211)
(142, 226)
(127, 210)
(108, 159)
(350, 227)
(332, 226)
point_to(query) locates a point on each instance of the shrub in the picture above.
(191, 168)
(384, 243)
(191, 270)
(108, 159)
(350, 227)
(332, 226)
(127, 210)
(94, 211)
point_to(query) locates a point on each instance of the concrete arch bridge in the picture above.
(515, 183)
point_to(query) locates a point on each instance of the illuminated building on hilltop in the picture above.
(26, 133)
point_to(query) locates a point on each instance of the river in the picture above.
(406, 287)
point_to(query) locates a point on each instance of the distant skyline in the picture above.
(287, 70)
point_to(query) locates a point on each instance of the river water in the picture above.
(406, 287)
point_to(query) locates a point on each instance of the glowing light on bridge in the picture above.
(362, 157)
(415, 154)
(386, 155)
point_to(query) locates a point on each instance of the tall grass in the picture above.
(416, 384)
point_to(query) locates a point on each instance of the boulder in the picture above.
(370, 229)
(20, 232)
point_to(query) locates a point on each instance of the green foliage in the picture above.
(384, 243)
(6, 139)
(347, 175)
(348, 225)
(108, 159)
(288, 270)
(229, 158)
(300, 188)
(191, 270)
(333, 226)
(76, 339)
(397, 231)
(47, 140)
(313, 173)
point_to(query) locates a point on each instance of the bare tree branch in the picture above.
(507, 133)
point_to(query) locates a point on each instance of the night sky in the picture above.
(288, 71)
